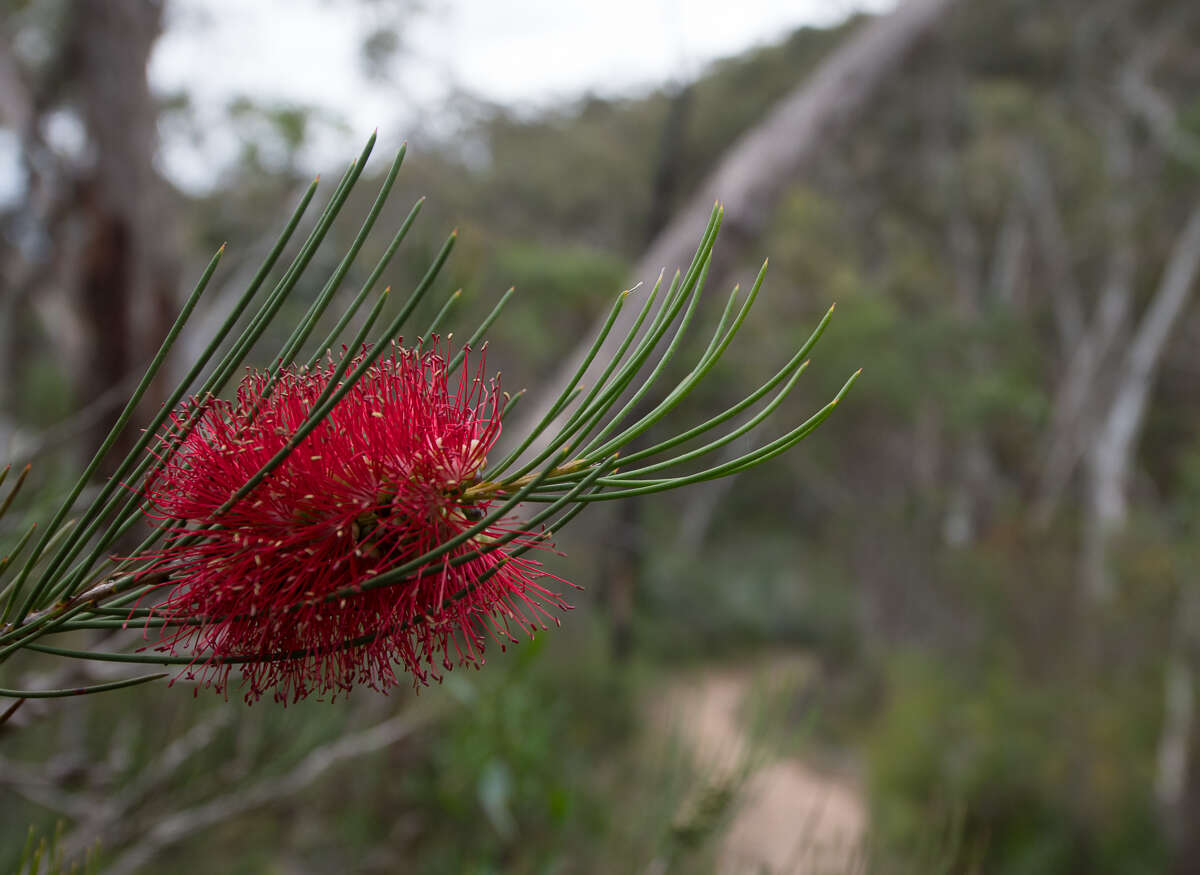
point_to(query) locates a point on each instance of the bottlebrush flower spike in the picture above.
(272, 586)
(326, 525)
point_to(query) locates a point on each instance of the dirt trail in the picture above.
(789, 819)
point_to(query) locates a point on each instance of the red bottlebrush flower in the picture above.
(273, 586)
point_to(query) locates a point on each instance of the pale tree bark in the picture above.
(1110, 457)
(960, 521)
(1079, 396)
(1177, 776)
(983, 280)
(756, 171)
(1106, 392)
(1176, 745)
(1107, 414)
(1008, 280)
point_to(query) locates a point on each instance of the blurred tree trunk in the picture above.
(1100, 404)
(1177, 777)
(102, 268)
(1095, 354)
(1112, 359)
(1086, 349)
(1110, 457)
(128, 268)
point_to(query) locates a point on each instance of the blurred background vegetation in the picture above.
(985, 562)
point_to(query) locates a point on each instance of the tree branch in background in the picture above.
(1112, 453)
(115, 817)
(1066, 298)
(176, 826)
(1076, 401)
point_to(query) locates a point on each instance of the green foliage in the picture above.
(724, 600)
(1043, 776)
(510, 771)
(516, 769)
(272, 134)
(47, 852)
(570, 282)
(1017, 732)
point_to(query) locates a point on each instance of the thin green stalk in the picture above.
(16, 551)
(585, 421)
(79, 691)
(127, 519)
(734, 410)
(604, 394)
(236, 355)
(480, 331)
(679, 295)
(742, 463)
(99, 508)
(562, 400)
(635, 400)
(631, 404)
(16, 487)
(629, 475)
(109, 441)
(344, 320)
(336, 390)
(400, 572)
(676, 296)
(14, 637)
(708, 360)
(600, 383)
(441, 314)
(309, 322)
(510, 404)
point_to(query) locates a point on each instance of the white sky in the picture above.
(524, 52)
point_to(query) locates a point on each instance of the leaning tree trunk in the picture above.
(754, 173)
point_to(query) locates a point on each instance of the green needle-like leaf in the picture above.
(70, 580)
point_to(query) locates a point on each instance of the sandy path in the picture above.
(789, 818)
